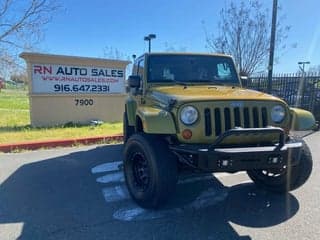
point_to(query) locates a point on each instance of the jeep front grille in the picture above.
(218, 120)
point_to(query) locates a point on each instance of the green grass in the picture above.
(15, 123)
(14, 100)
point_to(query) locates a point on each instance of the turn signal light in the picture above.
(187, 134)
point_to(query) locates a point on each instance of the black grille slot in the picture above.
(264, 117)
(255, 117)
(217, 120)
(246, 117)
(207, 119)
(227, 119)
(237, 119)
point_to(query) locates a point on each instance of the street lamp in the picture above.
(149, 38)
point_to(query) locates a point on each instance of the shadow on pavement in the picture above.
(258, 208)
(59, 198)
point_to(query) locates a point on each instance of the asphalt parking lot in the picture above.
(79, 193)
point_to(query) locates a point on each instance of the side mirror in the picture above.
(134, 81)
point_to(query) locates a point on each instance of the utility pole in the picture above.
(301, 89)
(149, 38)
(303, 64)
(272, 43)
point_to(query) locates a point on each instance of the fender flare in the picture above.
(302, 120)
(155, 120)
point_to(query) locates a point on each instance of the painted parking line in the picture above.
(119, 177)
(107, 167)
(115, 176)
(207, 198)
(112, 177)
(120, 192)
(116, 191)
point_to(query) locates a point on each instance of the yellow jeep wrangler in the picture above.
(190, 110)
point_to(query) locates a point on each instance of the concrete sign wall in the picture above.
(66, 89)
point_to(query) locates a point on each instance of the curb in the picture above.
(57, 143)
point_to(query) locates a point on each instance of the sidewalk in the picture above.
(57, 143)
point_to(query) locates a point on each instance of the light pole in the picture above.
(149, 38)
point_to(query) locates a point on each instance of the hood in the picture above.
(207, 93)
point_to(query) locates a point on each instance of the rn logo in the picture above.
(38, 69)
(59, 70)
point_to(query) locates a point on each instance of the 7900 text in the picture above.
(83, 102)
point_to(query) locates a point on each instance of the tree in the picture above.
(21, 78)
(244, 33)
(21, 26)
(173, 48)
(114, 53)
(314, 69)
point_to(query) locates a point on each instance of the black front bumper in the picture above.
(218, 158)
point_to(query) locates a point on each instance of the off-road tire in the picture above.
(150, 170)
(290, 178)
(127, 130)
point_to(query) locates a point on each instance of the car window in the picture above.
(191, 68)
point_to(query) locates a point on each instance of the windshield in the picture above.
(192, 69)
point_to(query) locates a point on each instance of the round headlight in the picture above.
(278, 113)
(189, 115)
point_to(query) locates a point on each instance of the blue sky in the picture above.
(85, 28)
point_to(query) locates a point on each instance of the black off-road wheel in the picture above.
(287, 178)
(150, 170)
(127, 130)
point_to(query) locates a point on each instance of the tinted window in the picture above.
(190, 68)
